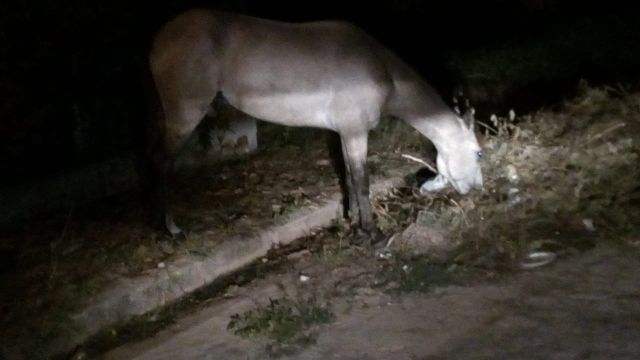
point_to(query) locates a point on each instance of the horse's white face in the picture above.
(459, 159)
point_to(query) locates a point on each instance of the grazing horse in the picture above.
(328, 75)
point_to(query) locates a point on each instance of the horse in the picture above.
(324, 74)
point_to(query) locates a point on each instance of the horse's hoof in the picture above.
(174, 231)
(377, 238)
(367, 237)
(360, 237)
(178, 237)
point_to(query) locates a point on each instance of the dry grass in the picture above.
(546, 174)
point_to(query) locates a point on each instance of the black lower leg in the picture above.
(163, 166)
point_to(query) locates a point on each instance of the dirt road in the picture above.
(583, 307)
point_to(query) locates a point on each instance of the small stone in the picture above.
(166, 247)
(299, 254)
(588, 225)
(304, 278)
(467, 204)
(512, 174)
(384, 254)
(80, 355)
(161, 265)
(425, 240)
(231, 292)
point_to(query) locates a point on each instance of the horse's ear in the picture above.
(471, 118)
(461, 121)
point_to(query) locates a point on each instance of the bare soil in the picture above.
(581, 307)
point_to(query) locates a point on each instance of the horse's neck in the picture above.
(417, 103)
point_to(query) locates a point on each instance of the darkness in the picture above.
(71, 73)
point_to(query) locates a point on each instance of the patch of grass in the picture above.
(337, 252)
(415, 275)
(283, 321)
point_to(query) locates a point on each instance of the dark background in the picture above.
(71, 73)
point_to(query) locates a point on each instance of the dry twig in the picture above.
(420, 161)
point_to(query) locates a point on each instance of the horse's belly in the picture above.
(294, 109)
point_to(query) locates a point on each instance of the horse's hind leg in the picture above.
(176, 127)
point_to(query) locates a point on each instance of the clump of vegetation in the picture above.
(553, 175)
(552, 180)
(283, 321)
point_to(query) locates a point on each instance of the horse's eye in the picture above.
(479, 154)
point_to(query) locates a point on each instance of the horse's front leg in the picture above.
(352, 209)
(354, 150)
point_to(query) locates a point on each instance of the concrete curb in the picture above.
(132, 297)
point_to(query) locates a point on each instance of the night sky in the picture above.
(71, 73)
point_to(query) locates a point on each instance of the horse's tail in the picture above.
(150, 134)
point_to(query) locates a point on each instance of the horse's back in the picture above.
(238, 38)
(290, 73)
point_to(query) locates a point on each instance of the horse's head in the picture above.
(459, 156)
